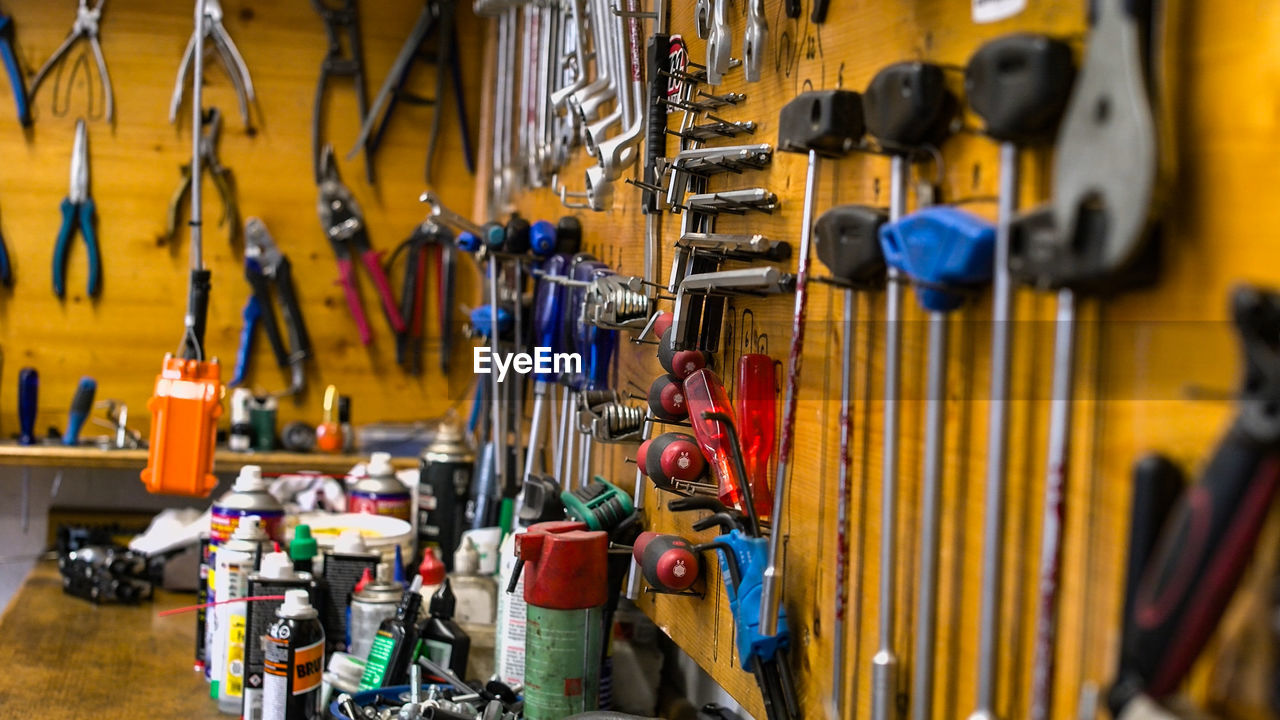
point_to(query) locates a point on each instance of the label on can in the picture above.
(562, 662)
(395, 505)
(224, 521)
(440, 653)
(234, 682)
(290, 674)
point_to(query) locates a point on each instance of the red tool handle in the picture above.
(420, 297)
(757, 406)
(705, 393)
(372, 260)
(347, 279)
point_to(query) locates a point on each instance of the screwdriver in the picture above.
(666, 399)
(1019, 85)
(670, 564)
(907, 107)
(671, 457)
(822, 123)
(704, 393)
(28, 396)
(757, 411)
(848, 243)
(547, 301)
(81, 406)
(941, 249)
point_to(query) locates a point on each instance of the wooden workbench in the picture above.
(66, 657)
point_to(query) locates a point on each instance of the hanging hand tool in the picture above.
(339, 21)
(81, 406)
(6, 266)
(17, 82)
(848, 243)
(28, 399)
(1205, 545)
(344, 226)
(942, 250)
(223, 180)
(907, 108)
(265, 266)
(227, 52)
(1019, 85)
(669, 563)
(426, 236)
(705, 394)
(78, 211)
(437, 17)
(821, 123)
(86, 26)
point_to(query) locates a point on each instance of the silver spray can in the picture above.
(371, 605)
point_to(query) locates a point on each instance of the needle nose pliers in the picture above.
(78, 211)
(10, 59)
(86, 26)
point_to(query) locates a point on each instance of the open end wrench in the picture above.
(719, 44)
(755, 41)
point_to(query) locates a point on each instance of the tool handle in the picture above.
(793, 8)
(16, 81)
(28, 395)
(1201, 555)
(81, 405)
(818, 14)
(6, 269)
(62, 246)
(252, 311)
(448, 273)
(291, 310)
(347, 279)
(659, 57)
(89, 229)
(266, 316)
(372, 260)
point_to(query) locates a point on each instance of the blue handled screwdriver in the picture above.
(28, 393)
(81, 405)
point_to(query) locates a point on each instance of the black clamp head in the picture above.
(828, 122)
(908, 105)
(1019, 84)
(847, 240)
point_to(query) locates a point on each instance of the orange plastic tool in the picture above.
(184, 428)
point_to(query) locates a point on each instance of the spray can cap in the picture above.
(443, 602)
(250, 528)
(350, 541)
(276, 566)
(303, 546)
(411, 601)
(297, 603)
(466, 559)
(379, 465)
(250, 480)
(431, 570)
(366, 578)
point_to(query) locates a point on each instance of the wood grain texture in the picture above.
(121, 337)
(1137, 355)
(223, 461)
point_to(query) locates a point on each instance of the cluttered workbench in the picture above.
(75, 658)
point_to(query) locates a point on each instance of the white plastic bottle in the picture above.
(477, 595)
(235, 560)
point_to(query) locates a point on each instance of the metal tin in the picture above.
(444, 484)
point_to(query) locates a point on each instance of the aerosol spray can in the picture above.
(371, 605)
(241, 437)
(343, 567)
(248, 496)
(566, 588)
(539, 502)
(379, 492)
(276, 577)
(236, 559)
(444, 484)
(294, 662)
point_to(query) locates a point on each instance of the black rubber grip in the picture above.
(198, 306)
(659, 61)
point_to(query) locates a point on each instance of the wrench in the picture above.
(755, 41)
(718, 43)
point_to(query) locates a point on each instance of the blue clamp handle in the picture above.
(28, 395)
(81, 406)
(252, 311)
(939, 247)
(751, 555)
(542, 238)
(16, 81)
(84, 215)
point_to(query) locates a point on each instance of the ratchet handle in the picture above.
(372, 260)
(347, 279)
(1198, 561)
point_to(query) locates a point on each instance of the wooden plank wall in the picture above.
(121, 337)
(1137, 357)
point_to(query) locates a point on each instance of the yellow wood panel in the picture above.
(121, 337)
(1137, 356)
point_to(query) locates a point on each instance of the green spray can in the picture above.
(565, 588)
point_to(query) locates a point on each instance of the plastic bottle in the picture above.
(342, 674)
(443, 641)
(477, 595)
(432, 572)
(303, 549)
(294, 654)
(275, 577)
(394, 644)
(236, 559)
(379, 492)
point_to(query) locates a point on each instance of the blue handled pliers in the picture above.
(78, 210)
(16, 81)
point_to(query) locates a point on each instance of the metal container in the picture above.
(374, 603)
(444, 484)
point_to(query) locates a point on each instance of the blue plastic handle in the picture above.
(252, 311)
(89, 229)
(751, 556)
(542, 238)
(81, 405)
(940, 247)
(468, 242)
(16, 81)
(480, 320)
(548, 300)
(61, 247)
(28, 396)
(494, 235)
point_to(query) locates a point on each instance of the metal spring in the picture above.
(614, 302)
(616, 422)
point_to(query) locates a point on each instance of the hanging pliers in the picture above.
(338, 21)
(228, 53)
(343, 224)
(78, 211)
(427, 237)
(86, 26)
(16, 81)
(211, 130)
(266, 267)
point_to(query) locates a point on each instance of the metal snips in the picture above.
(344, 226)
(339, 61)
(86, 26)
(265, 267)
(228, 53)
(78, 211)
(223, 180)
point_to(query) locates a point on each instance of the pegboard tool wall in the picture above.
(134, 170)
(1137, 355)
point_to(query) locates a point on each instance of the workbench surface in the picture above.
(66, 657)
